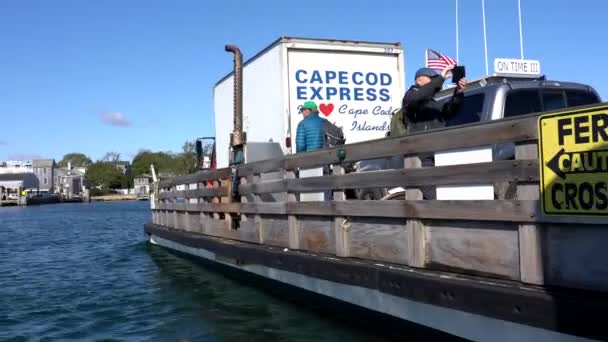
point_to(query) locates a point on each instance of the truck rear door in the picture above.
(357, 91)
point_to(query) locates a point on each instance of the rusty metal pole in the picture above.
(238, 137)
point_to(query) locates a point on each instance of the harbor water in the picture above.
(85, 272)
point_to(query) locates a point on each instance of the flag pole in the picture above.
(485, 41)
(521, 39)
(457, 45)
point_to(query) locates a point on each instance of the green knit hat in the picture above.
(310, 105)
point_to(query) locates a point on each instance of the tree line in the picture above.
(105, 175)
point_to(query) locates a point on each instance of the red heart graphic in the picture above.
(326, 109)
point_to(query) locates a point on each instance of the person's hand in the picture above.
(446, 71)
(462, 83)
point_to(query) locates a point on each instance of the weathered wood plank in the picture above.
(316, 234)
(257, 217)
(523, 170)
(262, 166)
(263, 187)
(162, 217)
(501, 131)
(203, 222)
(200, 176)
(216, 227)
(504, 210)
(244, 198)
(342, 235)
(248, 231)
(276, 208)
(205, 207)
(381, 239)
(186, 224)
(530, 248)
(443, 175)
(524, 211)
(475, 135)
(215, 199)
(483, 248)
(416, 231)
(292, 220)
(483, 210)
(175, 221)
(276, 231)
(207, 192)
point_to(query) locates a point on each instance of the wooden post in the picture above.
(204, 217)
(154, 201)
(175, 223)
(164, 218)
(227, 183)
(416, 232)
(216, 185)
(530, 248)
(256, 178)
(292, 220)
(341, 231)
(187, 224)
(160, 211)
(244, 199)
(199, 221)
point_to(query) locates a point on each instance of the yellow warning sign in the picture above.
(573, 152)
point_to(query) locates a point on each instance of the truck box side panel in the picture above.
(263, 105)
(355, 88)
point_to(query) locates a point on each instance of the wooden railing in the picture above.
(507, 237)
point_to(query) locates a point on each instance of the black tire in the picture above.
(374, 194)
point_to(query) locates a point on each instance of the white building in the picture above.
(141, 185)
(12, 183)
(45, 171)
(69, 182)
(16, 166)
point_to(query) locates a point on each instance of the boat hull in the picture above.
(458, 306)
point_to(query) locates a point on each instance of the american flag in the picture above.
(437, 61)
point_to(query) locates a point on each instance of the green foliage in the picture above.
(100, 192)
(187, 159)
(77, 159)
(105, 175)
(163, 162)
(111, 157)
(166, 162)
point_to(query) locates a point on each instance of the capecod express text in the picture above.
(351, 86)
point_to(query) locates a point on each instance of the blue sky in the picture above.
(116, 75)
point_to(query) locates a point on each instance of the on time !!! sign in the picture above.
(518, 67)
(573, 152)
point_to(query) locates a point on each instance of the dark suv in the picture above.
(495, 98)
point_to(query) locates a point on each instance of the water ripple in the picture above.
(85, 272)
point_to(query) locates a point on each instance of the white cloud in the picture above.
(115, 119)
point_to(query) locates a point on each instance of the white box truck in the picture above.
(356, 85)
